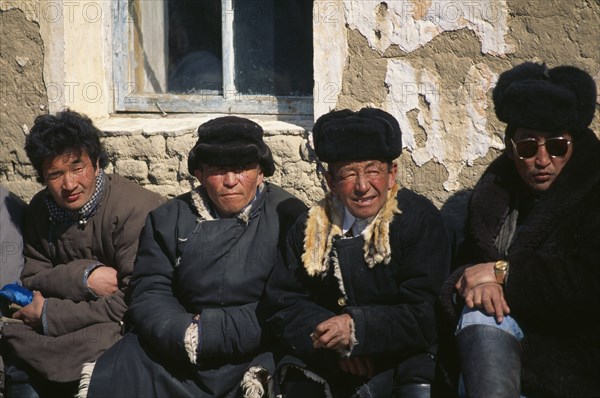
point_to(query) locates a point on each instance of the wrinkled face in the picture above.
(230, 188)
(539, 167)
(70, 179)
(362, 186)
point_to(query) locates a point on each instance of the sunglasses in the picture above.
(556, 147)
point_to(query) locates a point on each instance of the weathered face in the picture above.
(540, 156)
(230, 188)
(362, 186)
(70, 179)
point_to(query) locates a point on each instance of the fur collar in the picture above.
(202, 205)
(324, 224)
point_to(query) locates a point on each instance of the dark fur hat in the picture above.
(367, 134)
(231, 141)
(532, 96)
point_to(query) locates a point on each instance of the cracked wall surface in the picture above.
(22, 95)
(431, 63)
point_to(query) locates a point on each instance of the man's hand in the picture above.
(31, 314)
(358, 366)
(488, 297)
(334, 333)
(475, 275)
(103, 281)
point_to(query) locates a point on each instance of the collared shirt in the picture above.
(356, 224)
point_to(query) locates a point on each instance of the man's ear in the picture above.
(198, 174)
(260, 178)
(393, 172)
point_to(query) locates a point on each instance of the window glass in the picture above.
(210, 56)
(195, 62)
(273, 47)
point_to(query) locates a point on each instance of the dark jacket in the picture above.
(188, 264)
(79, 326)
(388, 285)
(554, 279)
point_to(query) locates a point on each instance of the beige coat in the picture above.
(79, 326)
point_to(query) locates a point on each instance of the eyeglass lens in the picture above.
(556, 147)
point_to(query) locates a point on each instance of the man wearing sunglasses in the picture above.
(531, 285)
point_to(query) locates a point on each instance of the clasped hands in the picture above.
(479, 288)
(336, 334)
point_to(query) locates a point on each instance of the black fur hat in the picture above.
(231, 141)
(532, 96)
(367, 134)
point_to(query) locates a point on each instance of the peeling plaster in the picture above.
(330, 54)
(406, 86)
(412, 24)
(480, 79)
(469, 105)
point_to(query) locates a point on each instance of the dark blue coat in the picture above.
(187, 266)
(392, 305)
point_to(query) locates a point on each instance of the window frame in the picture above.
(231, 101)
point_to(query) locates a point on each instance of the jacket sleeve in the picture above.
(229, 332)
(157, 315)
(69, 305)
(64, 315)
(292, 313)
(63, 281)
(424, 263)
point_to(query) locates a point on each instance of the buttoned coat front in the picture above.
(192, 264)
(388, 286)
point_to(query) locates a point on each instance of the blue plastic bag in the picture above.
(17, 294)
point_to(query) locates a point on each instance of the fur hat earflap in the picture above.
(367, 134)
(231, 141)
(532, 96)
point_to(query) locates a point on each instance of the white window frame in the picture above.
(231, 101)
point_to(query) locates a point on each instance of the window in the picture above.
(199, 56)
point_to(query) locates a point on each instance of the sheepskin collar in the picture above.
(203, 207)
(324, 225)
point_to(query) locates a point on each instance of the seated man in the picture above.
(202, 265)
(11, 241)
(532, 245)
(80, 236)
(353, 303)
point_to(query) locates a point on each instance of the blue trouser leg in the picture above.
(490, 355)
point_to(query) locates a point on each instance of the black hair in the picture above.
(55, 135)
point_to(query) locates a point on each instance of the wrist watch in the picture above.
(500, 270)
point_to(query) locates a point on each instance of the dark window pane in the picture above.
(273, 47)
(195, 62)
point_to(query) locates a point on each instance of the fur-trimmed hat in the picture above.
(231, 141)
(532, 96)
(367, 134)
